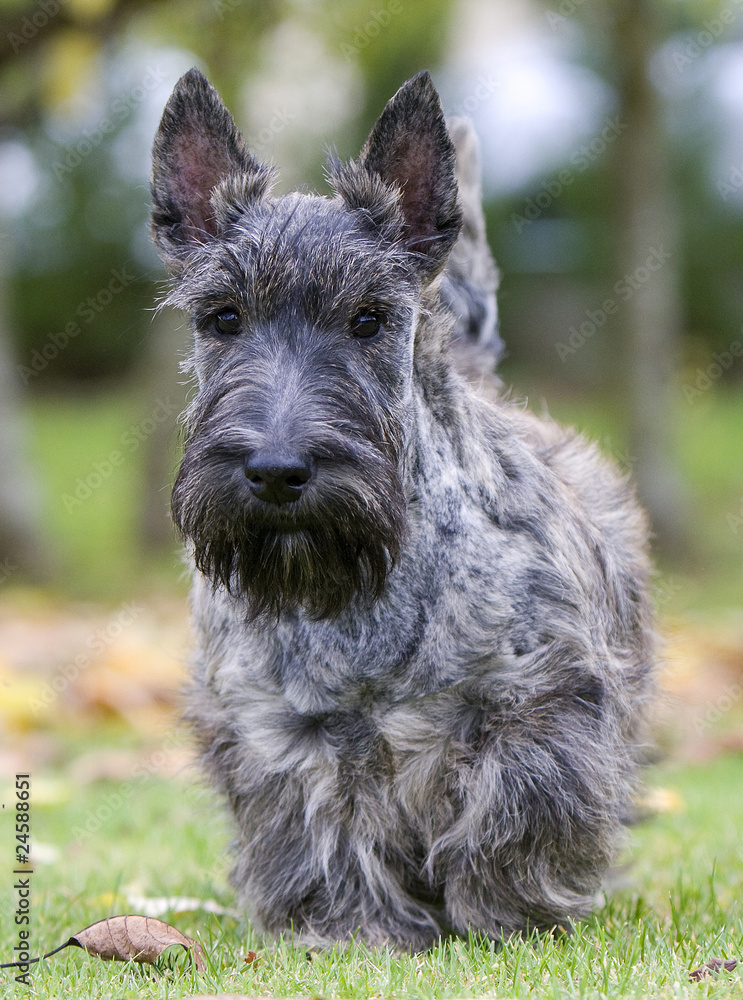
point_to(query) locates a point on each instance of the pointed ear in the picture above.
(409, 148)
(196, 148)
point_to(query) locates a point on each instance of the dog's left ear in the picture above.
(409, 147)
(198, 148)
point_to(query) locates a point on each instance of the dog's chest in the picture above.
(364, 711)
(364, 742)
(380, 692)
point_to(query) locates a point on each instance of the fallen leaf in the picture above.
(134, 938)
(251, 958)
(51, 792)
(104, 765)
(131, 938)
(713, 968)
(661, 800)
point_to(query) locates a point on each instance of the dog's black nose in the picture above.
(278, 477)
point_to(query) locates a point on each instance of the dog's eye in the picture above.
(227, 321)
(366, 324)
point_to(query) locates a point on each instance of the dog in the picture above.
(425, 640)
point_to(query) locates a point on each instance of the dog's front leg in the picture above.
(538, 814)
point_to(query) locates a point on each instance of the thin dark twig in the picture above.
(15, 965)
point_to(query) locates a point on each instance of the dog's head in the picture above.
(305, 311)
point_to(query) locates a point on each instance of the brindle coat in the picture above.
(425, 642)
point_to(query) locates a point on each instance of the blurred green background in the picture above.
(612, 154)
(612, 146)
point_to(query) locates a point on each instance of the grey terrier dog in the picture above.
(425, 643)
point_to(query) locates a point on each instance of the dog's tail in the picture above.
(470, 278)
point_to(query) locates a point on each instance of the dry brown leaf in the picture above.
(131, 938)
(251, 958)
(713, 968)
(661, 800)
(135, 938)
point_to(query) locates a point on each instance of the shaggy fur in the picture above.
(425, 644)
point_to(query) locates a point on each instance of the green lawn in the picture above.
(678, 903)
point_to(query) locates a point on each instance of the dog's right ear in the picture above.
(197, 147)
(411, 154)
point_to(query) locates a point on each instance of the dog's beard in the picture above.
(330, 549)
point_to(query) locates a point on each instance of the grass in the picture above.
(679, 905)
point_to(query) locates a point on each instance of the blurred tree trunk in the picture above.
(23, 548)
(648, 250)
(164, 385)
